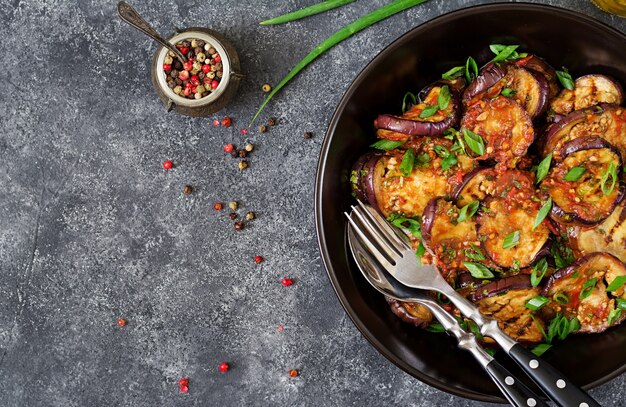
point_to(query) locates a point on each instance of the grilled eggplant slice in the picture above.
(411, 124)
(396, 193)
(530, 88)
(579, 182)
(537, 64)
(589, 90)
(411, 312)
(604, 120)
(609, 236)
(505, 300)
(580, 291)
(504, 126)
(477, 185)
(363, 176)
(446, 238)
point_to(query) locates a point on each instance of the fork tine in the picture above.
(390, 233)
(371, 248)
(375, 234)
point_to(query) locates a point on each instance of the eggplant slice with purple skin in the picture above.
(504, 126)
(447, 239)
(589, 90)
(580, 291)
(411, 312)
(579, 185)
(476, 185)
(410, 124)
(530, 89)
(604, 120)
(537, 64)
(365, 172)
(609, 236)
(505, 300)
(386, 188)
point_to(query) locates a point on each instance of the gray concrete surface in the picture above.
(93, 229)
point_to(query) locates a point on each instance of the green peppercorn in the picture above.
(187, 190)
(250, 216)
(233, 205)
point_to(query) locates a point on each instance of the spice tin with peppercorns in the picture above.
(210, 102)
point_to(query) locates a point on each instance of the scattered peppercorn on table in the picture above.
(148, 258)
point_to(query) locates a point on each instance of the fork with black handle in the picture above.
(392, 252)
(513, 389)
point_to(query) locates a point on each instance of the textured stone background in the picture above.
(92, 228)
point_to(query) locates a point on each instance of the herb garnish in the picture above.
(453, 73)
(443, 100)
(511, 240)
(412, 98)
(468, 211)
(561, 298)
(565, 78)
(537, 302)
(387, 144)
(474, 141)
(587, 288)
(449, 159)
(508, 92)
(543, 212)
(429, 111)
(610, 172)
(614, 316)
(474, 253)
(477, 270)
(539, 270)
(506, 52)
(421, 250)
(408, 160)
(410, 224)
(616, 284)
(471, 69)
(575, 173)
(306, 12)
(543, 168)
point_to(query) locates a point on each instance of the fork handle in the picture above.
(556, 386)
(513, 389)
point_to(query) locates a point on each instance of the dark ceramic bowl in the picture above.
(563, 38)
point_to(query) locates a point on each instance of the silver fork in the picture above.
(514, 390)
(388, 248)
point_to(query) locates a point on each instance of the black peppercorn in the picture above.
(190, 55)
(178, 65)
(201, 43)
(187, 190)
(232, 216)
(197, 50)
(178, 81)
(234, 154)
(174, 73)
(308, 135)
(272, 121)
(186, 44)
(239, 225)
(201, 75)
(242, 153)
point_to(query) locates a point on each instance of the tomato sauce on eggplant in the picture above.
(467, 174)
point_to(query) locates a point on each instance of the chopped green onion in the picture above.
(540, 349)
(565, 78)
(620, 303)
(543, 168)
(306, 12)
(429, 111)
(537, 302)
(449, 162)
(442, 151)
(561, 298)
(412, 225)
(474, 141)
(508, 92)
(453, 73)
(473, 327)
(610, 172)
(435, 327)
(574, 174)
(614, 315)
(422, 160)
(543, 212)
(587, 288)
(539, 270)
(387, 144)
(408, 160)
(616, 284)
(354, 27)
(443, 99)
(505, 53)
(421, 250)
(468, 211)
(471, 69)
(474, 253)
(490, 351)
(411, 96)
(511, 240)
(477, 270)
(563, 255)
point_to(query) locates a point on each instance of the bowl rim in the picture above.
(319, 181)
